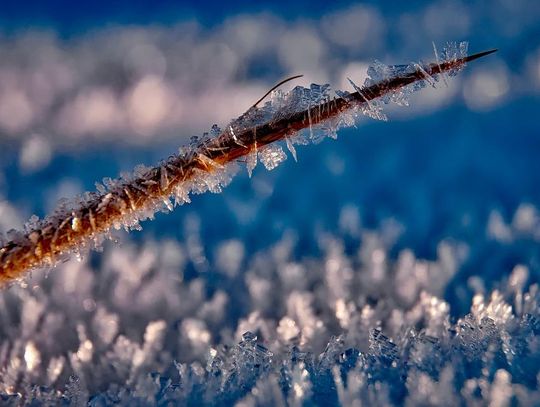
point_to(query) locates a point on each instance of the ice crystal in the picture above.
(371, 109)
(453, 51)
(271, 156)
(251, 161)
(290, 147)
(348, 326)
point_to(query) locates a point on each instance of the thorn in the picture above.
(274, 88)
(479, 55)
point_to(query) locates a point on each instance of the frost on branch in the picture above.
(208, 164)
(271, 156)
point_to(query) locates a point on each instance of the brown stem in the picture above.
(63, 232)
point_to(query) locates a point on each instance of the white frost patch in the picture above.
(271, 156)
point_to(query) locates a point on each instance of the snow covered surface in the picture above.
(397, 265)
(161, 322)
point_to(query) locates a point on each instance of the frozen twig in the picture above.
(207, 163)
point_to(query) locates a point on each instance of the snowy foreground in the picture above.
(161, 323)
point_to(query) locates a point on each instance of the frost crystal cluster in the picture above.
(160, 323)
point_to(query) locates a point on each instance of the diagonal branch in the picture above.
(126, 201)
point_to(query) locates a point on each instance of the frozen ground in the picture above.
(396, 265)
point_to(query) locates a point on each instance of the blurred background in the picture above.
(441, 199)
(89, 92)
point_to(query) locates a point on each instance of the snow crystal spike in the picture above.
(445, 80)
(125, 202)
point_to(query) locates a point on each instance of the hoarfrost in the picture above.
(453, 51)
(312, 339)
(251, 161)
(271, 156)
(80, 224)
(290, 147)
(371, 108)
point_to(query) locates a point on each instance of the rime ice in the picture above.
(208, 163)
(149, 335)
(271, 156)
